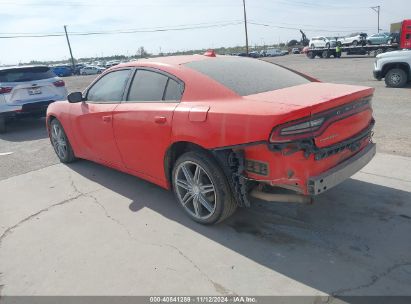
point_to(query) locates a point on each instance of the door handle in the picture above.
(106, 118)
(160, 119)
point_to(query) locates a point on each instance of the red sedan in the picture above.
(218, 129)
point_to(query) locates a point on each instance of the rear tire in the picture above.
(326, 54)
(60, 142)
(2, 125)
(355, 43)
(202, 188)
(396, 78)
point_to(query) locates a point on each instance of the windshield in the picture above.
(246, 76)
(26, 74)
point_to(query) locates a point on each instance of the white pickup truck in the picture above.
(395, 67)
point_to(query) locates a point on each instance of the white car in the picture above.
(111, 63)
(272, 53)
(394, 67)
(354, 39)
(322, 42)
(91, 70)
(28, 90)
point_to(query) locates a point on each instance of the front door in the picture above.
(142, 123)
(93, 118)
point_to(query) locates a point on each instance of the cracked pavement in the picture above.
(84, 229)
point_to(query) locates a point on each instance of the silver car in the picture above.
(28, 90)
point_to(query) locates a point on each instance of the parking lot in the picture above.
(83, 229)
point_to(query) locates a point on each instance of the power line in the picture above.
(114, 31)
(297, 29)
(130, 31)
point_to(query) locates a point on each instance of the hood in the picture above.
(402, 53)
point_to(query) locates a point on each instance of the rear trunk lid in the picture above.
(349, 107)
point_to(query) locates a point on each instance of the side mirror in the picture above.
(75, 97)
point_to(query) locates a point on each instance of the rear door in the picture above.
(142, 124)
(93, 119)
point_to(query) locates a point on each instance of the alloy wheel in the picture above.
(195, 190)
(395, 79)
(59, 141)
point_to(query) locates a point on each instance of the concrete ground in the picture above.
(84, 229)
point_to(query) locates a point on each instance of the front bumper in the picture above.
(377, 74)
(333, 177)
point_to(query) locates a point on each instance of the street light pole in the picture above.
(71, 53)
(377, 9)
(245, 26)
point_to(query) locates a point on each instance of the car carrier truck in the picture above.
(401, 30)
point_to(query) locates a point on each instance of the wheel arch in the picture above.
(49, 119)
(174, 151)
(396, 65)
(232, 164)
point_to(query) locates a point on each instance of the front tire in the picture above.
(60, 142)
(202, 188)
(396, 78)
(355, 43)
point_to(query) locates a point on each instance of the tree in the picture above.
(292, 43)
(141, 52)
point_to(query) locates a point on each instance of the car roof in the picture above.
(166, 60)
(22, 67)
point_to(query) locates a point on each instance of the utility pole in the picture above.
(245, 26)
(71, 53)
(377, 9)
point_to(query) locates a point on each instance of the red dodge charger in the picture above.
(218, 130)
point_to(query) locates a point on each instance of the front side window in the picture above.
(147, 86)
(110, 87)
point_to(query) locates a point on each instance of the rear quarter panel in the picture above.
(230, 122)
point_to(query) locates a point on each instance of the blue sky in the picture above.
(44, 16)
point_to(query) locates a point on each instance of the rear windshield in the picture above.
(246, 76)
(26, 74)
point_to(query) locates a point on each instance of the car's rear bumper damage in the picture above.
(305, 169)
(338, 174)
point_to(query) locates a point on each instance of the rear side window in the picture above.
(173, 90)
(109, 88)
(147, 86)
(246, 76)
(26, 74)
